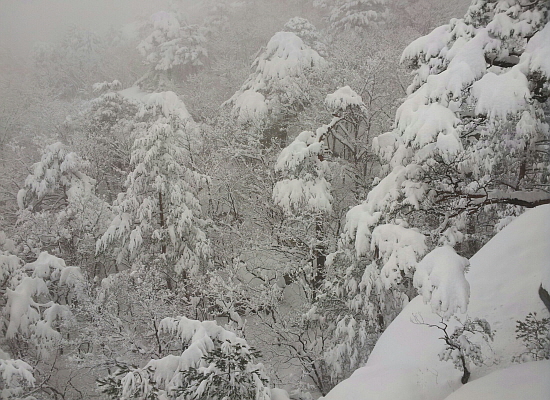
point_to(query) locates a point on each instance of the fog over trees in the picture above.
(285, 199)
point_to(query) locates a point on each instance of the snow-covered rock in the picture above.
(504, 279)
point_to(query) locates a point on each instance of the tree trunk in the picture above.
(163, 243)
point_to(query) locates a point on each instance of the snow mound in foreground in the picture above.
(524, 381)
(504, 279)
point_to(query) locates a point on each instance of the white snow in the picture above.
(343, 98)
(286, 55)
(168, 102)
(399, 248)
(500, 95)
(304, 186)
(249, 106)
(285, 59)
(504, 279)
(439, 278)
(427, 46)
(536, 56)
(524, 381)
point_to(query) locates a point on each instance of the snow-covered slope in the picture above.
(524, 381)
(504, 278)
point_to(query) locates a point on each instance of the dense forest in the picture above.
(234, 200)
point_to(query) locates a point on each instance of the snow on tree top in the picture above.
(305, 145)
(250, 105)
(166, 22)
(301, 26)
(427, 46)
(168, 102)
(343, 98)
(306, 187)
(286, 55)
(285, 58)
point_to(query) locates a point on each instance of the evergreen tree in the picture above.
(172, 49)
(157, 219)
(354, 14)
(272, 94)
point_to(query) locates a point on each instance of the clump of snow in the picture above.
(536, 57)
(440, 279)
(304, 186)
(46, 266)
(168, 102)
(399, 247)
(286, 55)
(15, 374)
(427, 46)
(343, 98)
(500, 95)
(102, 86)
(249, 106)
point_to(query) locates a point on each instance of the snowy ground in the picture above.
(504, 278)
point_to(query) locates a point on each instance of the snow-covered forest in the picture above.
(277, 199)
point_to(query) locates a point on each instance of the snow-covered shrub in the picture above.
(464, 344)
(230, 374)
(440, 279)
(535, 335)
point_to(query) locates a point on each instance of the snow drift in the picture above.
(504, 277)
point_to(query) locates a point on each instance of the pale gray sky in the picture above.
(23, 22)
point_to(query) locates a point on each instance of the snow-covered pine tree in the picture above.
(348, 140)
(213, 363)
(104, 137)
(304, 195)
(470, 142)
(306, 31)
(157, 219)
(58, 208)
(354, 14)
(172, 49)
(272, 93)
(55, 178)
